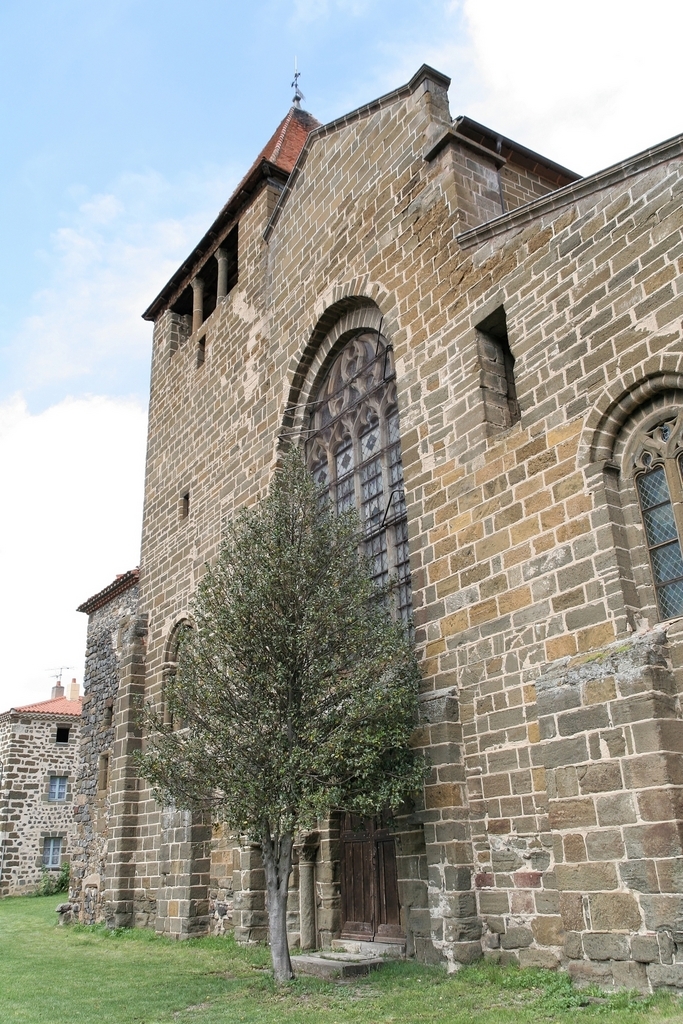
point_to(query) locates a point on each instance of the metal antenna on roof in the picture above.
(56, 673)
(298, 95)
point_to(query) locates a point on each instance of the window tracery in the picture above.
(658, 466)
(354, 452)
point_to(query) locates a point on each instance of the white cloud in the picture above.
(102, 269)
(587, 85)
(72, 507)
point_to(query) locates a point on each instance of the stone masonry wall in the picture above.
(29, 756)
(107, 628)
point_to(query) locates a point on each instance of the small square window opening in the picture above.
(57, 788)
(62, 734)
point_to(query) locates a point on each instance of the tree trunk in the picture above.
(277, 861)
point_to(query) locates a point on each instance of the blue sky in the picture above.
(125, 126)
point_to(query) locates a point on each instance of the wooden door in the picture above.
(369, 886)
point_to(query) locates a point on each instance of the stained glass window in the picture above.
(654, 486)
(354, 451)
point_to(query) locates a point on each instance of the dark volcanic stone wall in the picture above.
(107, 635)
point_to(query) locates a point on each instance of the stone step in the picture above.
(331, 966)
(391, 950)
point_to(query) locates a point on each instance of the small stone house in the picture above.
(38, 765)
(481, 351)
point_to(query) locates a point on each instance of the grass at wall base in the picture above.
(76, 975)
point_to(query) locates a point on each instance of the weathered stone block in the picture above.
(660, 840)
(605, 946)
(616, 809)
(573, 946)
(548, 931)
(494, 902)
(584, 972)
(605, 845)
(547, 902)
(627, 974)
(640, 875)
(573, 813)
(543, 958)
(664, 976)
(516, 937)
(571, 909)
(600, 778)
(614, 911)
(586, 877)
(564, 752)
(466, 952)
(645, 949)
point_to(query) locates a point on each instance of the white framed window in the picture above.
(52, 852)
(57, 788)
(354, 451)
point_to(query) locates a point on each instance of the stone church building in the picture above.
(481, 351)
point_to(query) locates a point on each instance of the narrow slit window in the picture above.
(103, 773)
(497, 371)
(185, 505)
(663, 543)
(201, 351)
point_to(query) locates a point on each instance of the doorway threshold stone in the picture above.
(331, 965)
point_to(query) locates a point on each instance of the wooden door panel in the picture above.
(356, 882)
(369, 886)
(388, 910)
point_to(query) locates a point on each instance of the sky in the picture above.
(125, 126)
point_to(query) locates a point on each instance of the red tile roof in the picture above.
(57, 706)
(123, 581)
(284, 146)
(276, 159)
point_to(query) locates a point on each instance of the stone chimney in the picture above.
(57, 690)
(73, 690)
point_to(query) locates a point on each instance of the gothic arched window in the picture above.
(659, 483)
(354, 451)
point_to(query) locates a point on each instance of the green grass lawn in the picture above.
(73, 974)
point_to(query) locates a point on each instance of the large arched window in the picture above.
(354, 450)
(659, 483)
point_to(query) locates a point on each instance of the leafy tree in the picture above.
(296, 690)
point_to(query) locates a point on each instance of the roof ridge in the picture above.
(47, 707)
(281, 137)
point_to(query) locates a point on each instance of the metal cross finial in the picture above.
(298, 95)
